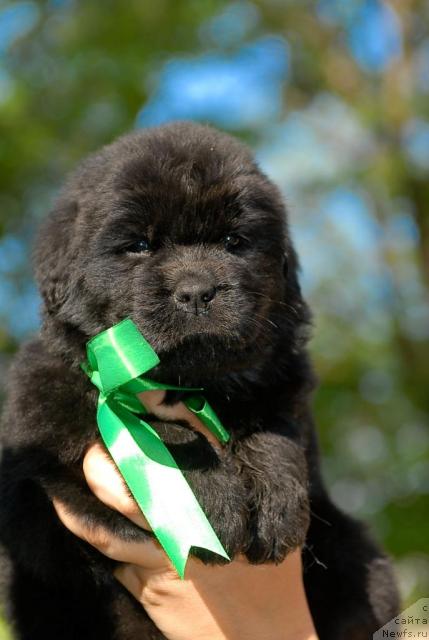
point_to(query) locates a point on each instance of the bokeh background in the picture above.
(333, 96)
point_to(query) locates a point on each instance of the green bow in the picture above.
(117, 360)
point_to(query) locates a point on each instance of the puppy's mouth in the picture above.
(201, 360)
(196, 348)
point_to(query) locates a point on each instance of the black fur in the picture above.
(183, 188)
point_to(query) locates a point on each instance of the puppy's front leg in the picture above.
(275, 474)
(74, 493)
(212, 476)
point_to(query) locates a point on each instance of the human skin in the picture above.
(237, 601)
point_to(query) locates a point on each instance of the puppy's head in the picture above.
(176, 228)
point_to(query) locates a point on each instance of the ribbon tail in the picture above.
(201, 408)
(157, 484)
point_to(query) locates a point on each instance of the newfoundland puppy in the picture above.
(178, 229)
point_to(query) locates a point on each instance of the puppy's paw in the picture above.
(279, 523)
(223, 500)
(275, 474)
(212, 475)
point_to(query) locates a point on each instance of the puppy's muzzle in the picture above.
(194, 292)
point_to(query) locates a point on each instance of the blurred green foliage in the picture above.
(4, 632)
(347, 146)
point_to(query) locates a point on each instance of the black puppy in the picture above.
(178, 229)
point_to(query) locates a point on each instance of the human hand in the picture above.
(223, 602)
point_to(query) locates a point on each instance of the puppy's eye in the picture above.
(140, 246)
(232, 241)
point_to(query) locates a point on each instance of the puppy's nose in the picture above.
(194, 292)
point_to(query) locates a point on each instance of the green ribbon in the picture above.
(117, 360)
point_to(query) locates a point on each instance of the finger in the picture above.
(107, 484)
(129, 578)
(153, 402)
(147, 586)
(147, 554)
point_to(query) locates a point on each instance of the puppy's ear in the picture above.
(54, 255)
(292, 289)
